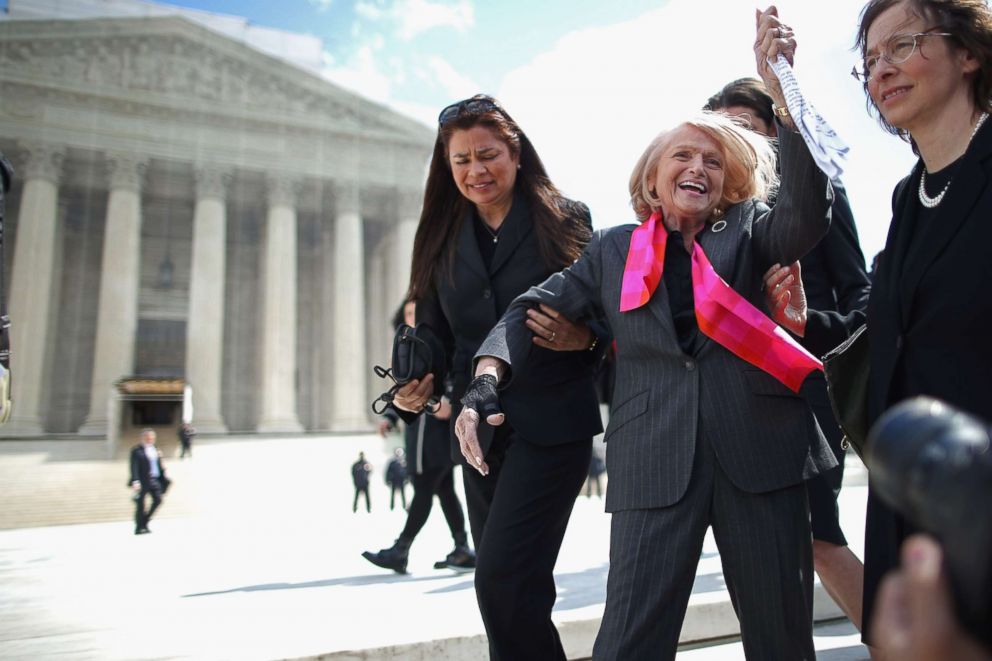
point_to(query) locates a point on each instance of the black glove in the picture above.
(482, 396)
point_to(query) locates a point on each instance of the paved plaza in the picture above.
(256, 555)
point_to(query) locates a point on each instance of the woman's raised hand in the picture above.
(772, 37)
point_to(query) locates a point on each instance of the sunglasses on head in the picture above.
(472, 106)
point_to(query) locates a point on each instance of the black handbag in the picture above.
(846, 371)
(417, 352)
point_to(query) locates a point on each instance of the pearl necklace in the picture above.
(931, 202)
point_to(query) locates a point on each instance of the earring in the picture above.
(518, 166)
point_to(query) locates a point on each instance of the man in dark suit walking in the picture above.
(360, 471)
(147, 479)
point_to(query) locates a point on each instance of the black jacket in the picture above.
(141, 467)
(555, 402)
(929, 312)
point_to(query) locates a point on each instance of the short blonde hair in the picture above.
(749, 163)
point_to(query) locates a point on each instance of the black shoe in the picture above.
(395, 557)
(141, 531)
(462, 558)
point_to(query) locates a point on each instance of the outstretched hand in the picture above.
(481, 398)
(786, 298)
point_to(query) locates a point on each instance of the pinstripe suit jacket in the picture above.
(764, 435)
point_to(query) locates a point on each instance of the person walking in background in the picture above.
(834, 276)
(431, 472)
(148, 478)
(186, 434)
(396, 478)
(360, 471)
(596, 469)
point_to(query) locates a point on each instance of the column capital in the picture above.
(346, 197)
(126, 171)
(43, 161)
(211, 180)
(282, 189)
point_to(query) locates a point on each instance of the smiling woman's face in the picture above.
(689, 176)
(911, 95)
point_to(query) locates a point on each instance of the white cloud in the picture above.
(321, 5)
(361, 74)
(455, 85)
(369, 10)
(593, 102)
(417, 16)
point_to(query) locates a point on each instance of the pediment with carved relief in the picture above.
(170, 61)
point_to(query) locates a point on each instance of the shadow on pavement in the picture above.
(353, 581)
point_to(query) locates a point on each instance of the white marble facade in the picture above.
(185, 205)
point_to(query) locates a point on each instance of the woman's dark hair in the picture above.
(747, 92)
(560, 236)
(970, 23)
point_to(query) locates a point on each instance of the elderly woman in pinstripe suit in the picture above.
(707, 427)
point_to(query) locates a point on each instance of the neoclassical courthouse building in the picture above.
(190, 206)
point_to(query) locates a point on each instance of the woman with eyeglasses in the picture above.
(492, 225)
(927, 72)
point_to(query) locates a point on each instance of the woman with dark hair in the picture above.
(492, 225)
(706, 425)
(927, 72)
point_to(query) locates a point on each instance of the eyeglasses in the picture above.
(897, 50)
(475, 106)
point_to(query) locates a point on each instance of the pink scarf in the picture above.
(723, 315)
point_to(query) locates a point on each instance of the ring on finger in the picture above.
(552, 338)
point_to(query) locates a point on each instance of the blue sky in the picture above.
(591, 82)
(405, 40)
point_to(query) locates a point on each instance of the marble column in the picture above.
(349, 363)
(406, 229)
(31, 287)
(117, 311)
(205, 325)
(278, 368)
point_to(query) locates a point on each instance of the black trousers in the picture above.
(440, 482)
(363, 491)
(393, 490)
(766, 551)
(518, 515)
(141, 517)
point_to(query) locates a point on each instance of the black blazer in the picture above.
(930, 312)
(141, 467)
(557, 402)
(834, 274)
